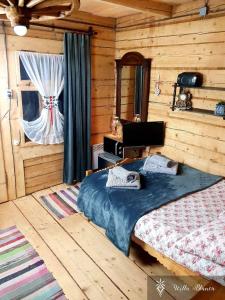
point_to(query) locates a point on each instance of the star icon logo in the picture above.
(160, 286)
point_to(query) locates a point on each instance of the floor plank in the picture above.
(126, 275)
(90, 278)
(84, 262)
(112, 261)
(9, 216)
(143, 260)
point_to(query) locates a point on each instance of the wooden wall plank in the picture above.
(42, 159)
(43, 168)
(43, 181)
(175, 46)
(5, 107)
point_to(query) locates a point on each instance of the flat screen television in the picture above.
(143, 133)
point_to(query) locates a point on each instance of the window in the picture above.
(31, 100)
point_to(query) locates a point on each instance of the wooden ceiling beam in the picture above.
(91, 19)
(4, 3)
(12, 2)
(153, 7)
(51, 3)
(32, 3)
(48, 11)
(21, 3)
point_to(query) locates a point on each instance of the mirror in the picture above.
(133, 80)
(131, 92)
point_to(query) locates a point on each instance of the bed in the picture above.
(181, 230)
(165, 232)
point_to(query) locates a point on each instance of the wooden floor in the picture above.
(84, 262)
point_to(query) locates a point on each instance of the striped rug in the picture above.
(23, 274)
(62, 203)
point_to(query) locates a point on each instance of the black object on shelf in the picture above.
(190, 79)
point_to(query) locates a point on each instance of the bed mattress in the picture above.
(165, 228)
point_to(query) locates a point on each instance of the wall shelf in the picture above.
(206, 88)
(201, 111)
(196, 110)
(197, 115)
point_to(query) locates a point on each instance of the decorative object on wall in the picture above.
(184, 100)
(46, 73)
(190, 79)
(22, 13)
(157, 88)
(185, 80)
(77, 106)
(220, 109)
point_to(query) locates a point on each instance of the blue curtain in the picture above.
(77, 106)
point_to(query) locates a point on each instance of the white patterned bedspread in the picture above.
(172, 230)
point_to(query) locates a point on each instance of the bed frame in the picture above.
(191, 278)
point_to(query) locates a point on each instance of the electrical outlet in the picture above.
(203, 11)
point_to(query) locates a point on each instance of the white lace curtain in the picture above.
(46, 73)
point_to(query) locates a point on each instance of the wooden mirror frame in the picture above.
(134, 59)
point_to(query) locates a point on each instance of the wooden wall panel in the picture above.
(5, 116)
(38, 167)
(185, 43)
(43, 171)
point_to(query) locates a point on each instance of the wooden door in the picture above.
(36, 166)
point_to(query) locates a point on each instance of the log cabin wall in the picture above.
(184, 43)
(37, 167)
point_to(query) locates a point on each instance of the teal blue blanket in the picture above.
(118, 210)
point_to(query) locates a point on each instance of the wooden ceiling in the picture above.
(120, 8)
(105, 9)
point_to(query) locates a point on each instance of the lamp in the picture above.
(21, 13)
(19, 18)
(20, 30)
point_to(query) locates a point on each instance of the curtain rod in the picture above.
(90, 30)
